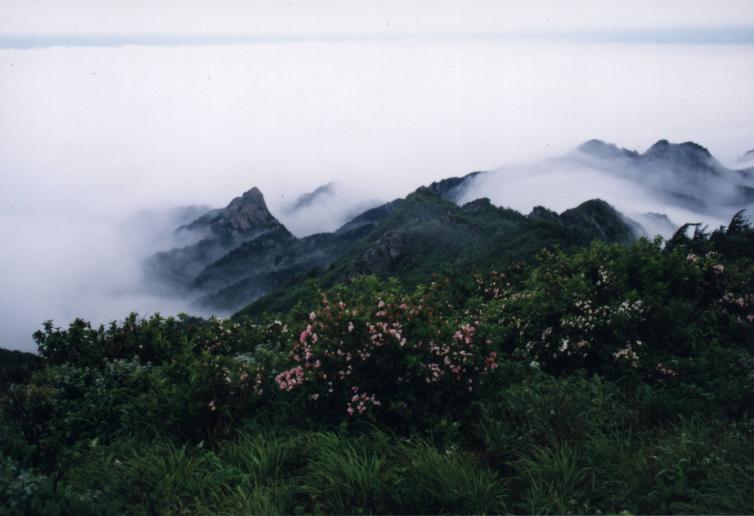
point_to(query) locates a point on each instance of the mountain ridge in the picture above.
(245, 253)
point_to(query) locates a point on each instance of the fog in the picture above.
(564, 182)
(327, 208)
(92, 136)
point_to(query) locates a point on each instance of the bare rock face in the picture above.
(245, 214)
(248, 211)
(385, 254)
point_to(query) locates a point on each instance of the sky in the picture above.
(354, 17)
(111, 108)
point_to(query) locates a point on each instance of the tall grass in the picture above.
(693, 466)
(347, 475)
(450, 481)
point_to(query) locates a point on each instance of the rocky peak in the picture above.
(248, 211)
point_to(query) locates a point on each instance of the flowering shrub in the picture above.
(618, 311)
(361, 360)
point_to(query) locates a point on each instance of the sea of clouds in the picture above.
(101, 146)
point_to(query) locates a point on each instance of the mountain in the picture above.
(686, 174)
(602, 150)
(747, 158)
(261, 264)
(326, 208)
(242, 253)
(452, 188)
(217, 232)
(322, 193)
(677, 181)
(425, 233)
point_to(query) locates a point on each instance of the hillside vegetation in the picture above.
(603, 378)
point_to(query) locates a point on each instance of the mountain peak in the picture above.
(248, 210)
(682, 158)
(451, 188)
(253, 194)
(307, 199)
(687, 149)
(659, 146)
(600, 149)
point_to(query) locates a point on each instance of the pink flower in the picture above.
(312, 316)
(350, 326)
(288, 380)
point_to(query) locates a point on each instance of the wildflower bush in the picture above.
(403, 358)
(614, 378)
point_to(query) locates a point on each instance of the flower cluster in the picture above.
(358, 402)
(665, 370)
(580, 329)
(628, 354)
(495, 285)
(603, 276)
(394, 349)
(290, 379)
(458, 358)
(742, 305)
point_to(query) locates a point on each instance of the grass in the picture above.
(693, 465)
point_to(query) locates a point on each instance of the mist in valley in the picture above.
(653, 195)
